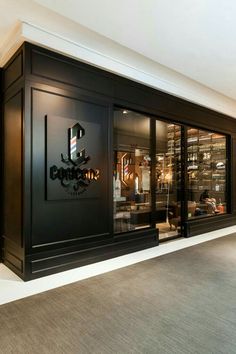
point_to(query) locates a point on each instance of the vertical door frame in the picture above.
(153, 172)
(184, 181)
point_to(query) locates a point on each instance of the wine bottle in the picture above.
(118, 186)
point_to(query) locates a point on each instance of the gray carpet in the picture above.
(184, 302)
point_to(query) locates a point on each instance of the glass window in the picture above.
(168, 179)
(131, 175)
(207, 161)
(206, 174)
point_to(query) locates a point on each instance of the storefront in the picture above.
(189, 174)
(96, 166)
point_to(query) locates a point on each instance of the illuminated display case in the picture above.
(206, 166)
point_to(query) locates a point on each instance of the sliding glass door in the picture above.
(131, 172)
(168, 179)
(165, 175)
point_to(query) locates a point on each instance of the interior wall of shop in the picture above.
(37, 82)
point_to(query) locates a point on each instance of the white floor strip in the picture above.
(13, 288)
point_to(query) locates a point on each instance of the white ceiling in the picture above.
(193, 37)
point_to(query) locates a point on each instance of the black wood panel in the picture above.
(58, 68)
(150, 101)
(56, 261)
(201, 226)
(57, 216)
(14, 70)
(71, 73)
(14, 261)
(12, 211)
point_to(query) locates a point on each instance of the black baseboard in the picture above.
(43, 264)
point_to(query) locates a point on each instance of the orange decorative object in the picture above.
(220, 207)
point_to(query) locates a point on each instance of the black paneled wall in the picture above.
(58, 208)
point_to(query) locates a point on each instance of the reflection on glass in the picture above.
(131, 176)
(207, 162)
(168, 179)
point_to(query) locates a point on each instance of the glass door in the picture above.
(168, 180)
(131, 172)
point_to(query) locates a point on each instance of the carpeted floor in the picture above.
(180, 303)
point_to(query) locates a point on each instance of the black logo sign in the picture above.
(73, 177)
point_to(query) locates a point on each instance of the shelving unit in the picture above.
(168, 182)
(168, 165)
(206, 155)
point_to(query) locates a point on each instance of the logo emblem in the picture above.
(74, 178)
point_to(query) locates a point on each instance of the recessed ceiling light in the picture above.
(125, 112)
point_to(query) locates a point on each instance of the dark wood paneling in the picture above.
(150, 101)
(13, 169)
(13, 257)
(13, 71)
(202, 225)
(70, 73)
(51, 262)
(15, 262)
(65, 218)
(58, 68)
